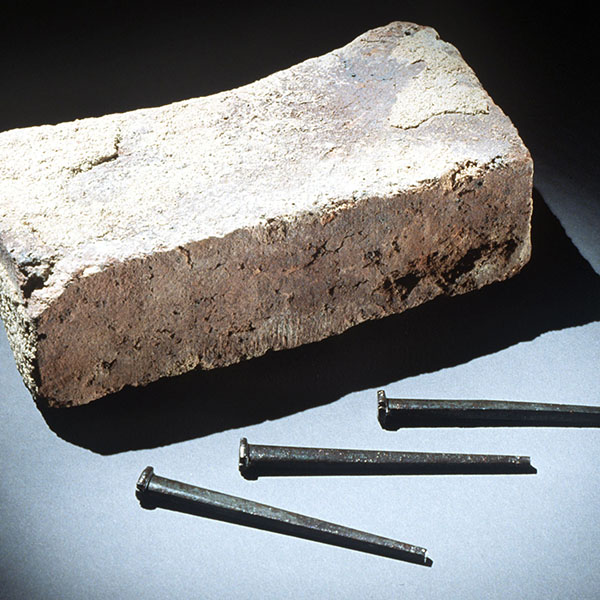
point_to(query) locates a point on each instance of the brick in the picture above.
(349, 187)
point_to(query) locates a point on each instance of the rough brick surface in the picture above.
(348, 187)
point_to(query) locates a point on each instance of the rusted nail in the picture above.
(395, 413)
(259, 461)
(154, 491)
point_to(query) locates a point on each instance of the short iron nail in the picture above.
(395, 413)
(259, 461)
(154, 491)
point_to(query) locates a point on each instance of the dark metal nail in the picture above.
(258, 461)
(154, 491)
(399, 412)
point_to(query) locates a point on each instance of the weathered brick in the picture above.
(346, 188)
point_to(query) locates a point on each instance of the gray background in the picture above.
(70, 525)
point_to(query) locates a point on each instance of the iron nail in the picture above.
(154, 491)
(394, 413)
(259, 461)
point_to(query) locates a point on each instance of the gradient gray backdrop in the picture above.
(70, 526)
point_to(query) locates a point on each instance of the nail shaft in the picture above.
(154, 491)
(395, 413)
(259, 461)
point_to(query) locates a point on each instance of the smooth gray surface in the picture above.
(71, 527)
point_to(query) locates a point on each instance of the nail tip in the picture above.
(528, 468)
(422, 559)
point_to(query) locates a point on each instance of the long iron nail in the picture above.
(258, 461)
(154, 491)
(399, 412)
